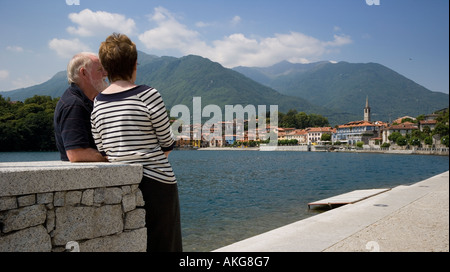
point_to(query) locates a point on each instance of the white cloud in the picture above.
(201, 24)
(100, 23)
(68, 48)
(4, 74)
(169, 33)
(236, 20)
(17, 49)
(237, 49)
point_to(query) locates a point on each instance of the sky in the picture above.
(411, 37)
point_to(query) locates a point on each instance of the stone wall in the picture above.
(46, 205)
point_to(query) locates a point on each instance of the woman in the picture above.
(130, 124)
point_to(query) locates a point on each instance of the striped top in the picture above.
(133, 127)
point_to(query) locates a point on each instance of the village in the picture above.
(402, 133)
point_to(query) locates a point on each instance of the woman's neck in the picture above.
(119, 86)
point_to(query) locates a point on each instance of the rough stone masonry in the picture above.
(45, 205)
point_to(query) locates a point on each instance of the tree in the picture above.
(401, 141)
(325, 137)
(428, 140)
(27, 126)
(393, 137)
(441, 129)
(301, 120)
(385, 145)
(415, 141)
(445, 140)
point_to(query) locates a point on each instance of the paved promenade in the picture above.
(412, 218)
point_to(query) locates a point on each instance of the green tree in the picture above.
(428, 140)
(325, 137)
(300, 120)
(27, 126)
(441, 129)
(415, 141)
(393, 137)
(401, 141)
(445, 140)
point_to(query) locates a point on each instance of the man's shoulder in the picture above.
(72, 96)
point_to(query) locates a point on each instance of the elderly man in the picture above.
(73, 135)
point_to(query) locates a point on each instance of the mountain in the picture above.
(337, 91)
(343, 87)
(54, 87)
(180, 79)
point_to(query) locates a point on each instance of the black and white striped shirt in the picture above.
(133, 127)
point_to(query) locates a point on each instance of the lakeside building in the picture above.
(403, 119)
(284, 132)
(403, 129)
(365, 131)
(431, 124)
(314, 135)
(371, 133)
(301, 135)
(358, 131)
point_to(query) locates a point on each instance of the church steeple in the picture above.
(367, 110)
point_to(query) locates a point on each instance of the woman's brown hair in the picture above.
(118, 56)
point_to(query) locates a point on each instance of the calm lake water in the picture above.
(227, 196)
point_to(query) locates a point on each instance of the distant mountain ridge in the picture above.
(337, 91)
(343, 87)
(180, 79)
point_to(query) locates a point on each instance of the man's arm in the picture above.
(85, 155)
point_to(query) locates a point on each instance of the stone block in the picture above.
(79, 223)
(59, 199)
(73, 198)
(139, 199)
(126, 190)
(25, 217)
(34, 239)
(23, 178)
(26, 200)
(45, 198)
(129, 202)
(50, 222)
(8, 203)
(135, 219)
(88, 197)
(129, 241)
(108, 195)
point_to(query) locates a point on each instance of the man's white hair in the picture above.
(80, 60)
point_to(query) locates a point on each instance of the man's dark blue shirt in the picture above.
(72, 121)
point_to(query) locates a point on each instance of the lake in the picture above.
(227, 196)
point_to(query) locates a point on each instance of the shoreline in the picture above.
(434, 152)
(228, 149)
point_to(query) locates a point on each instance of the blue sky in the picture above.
(409, 36)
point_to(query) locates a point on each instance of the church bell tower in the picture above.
(367, 110)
